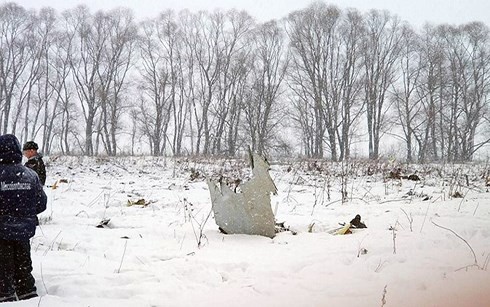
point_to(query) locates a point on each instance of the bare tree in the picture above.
(456, 65)
(303, 117)
(85, 58)
(263, 112)
(232, 55)
(311, 32)
(14, 56)
(408, 104)
(215, 44)
(48, 30)
(477, 88)
(113, 69)
(28, 88)
(202, 43)
(160, 62)
(467, 53)
(234, 98)
(429, 89)
(381, 50)
(347, 76)
(62, 125)
(181, 101)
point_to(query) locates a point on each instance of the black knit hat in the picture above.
(30, 145)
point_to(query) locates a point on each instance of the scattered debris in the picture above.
(139, 202)
(363, 251)
(347, 228)
(356, 222)
(57, 182)
(310, 227)
(195, 174)
(421, 195)
(457, 194)
(104, 223)
(280, 227)
(413, 177)
(396, 173)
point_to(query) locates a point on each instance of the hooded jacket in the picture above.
(21, 194)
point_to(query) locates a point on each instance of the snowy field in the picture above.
(422, 247)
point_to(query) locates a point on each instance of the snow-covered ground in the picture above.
(147, 255)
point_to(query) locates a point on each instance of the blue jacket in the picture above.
(21, 195)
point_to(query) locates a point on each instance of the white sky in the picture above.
(415, 11)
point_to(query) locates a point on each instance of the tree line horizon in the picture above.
(211, 83)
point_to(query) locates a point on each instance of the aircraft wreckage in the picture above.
(249, 210)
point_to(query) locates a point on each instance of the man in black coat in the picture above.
(21, 198)
(35, 160)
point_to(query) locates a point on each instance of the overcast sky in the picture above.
(414, 11)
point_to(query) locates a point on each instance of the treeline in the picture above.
(207, 83)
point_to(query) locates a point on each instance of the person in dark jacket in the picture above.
(35, 160)
(21, 198)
